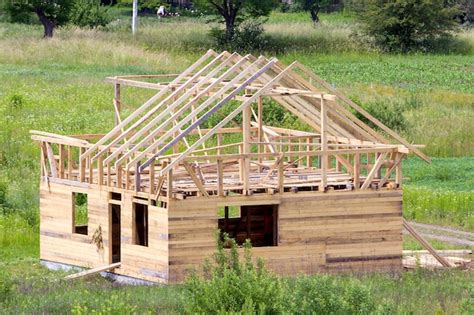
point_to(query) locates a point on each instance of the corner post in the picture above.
(324, 146)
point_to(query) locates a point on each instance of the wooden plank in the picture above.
(195, 179)
(92, 271)
(51, 159)
(425, 244)
(324, 146)
(373, 171)
(220, 178)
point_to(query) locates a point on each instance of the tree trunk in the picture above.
(47, 24)
(230, 24)
(315, 14)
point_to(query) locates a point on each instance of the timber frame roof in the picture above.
(172, 126)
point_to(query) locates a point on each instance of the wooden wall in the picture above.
(58, 243)
(337, 231)
(317, 232)
(144, 262)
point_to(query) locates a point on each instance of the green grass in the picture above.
(441, 192)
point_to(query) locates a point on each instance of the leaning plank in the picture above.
(195, 179)
(92, 271)
(425, 244)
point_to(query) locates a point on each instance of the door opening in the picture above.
(116, 234)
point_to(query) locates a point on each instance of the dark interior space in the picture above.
(141, 224)
(115, 215)
(257, 223)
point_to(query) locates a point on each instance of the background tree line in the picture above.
(391, 25)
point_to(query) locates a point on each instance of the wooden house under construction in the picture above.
(198, 156)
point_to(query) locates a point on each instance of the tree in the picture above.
(235, 11)
(51, 13)
(89, 13)
(314, 7)
(404, 25)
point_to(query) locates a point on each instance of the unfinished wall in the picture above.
(58, 243)
(336, 231)
(317, 232)
(144, 262)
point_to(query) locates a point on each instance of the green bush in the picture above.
(406, 25)
(328, 295)
(89, 13)
(230, 285)
(248, 37)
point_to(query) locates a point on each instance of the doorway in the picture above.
(115, 232)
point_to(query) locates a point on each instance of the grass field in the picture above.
(58, 86)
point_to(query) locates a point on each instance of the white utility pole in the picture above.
(134, 16)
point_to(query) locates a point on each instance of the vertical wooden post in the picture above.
(82, 166)
(117, 103)
(220, 178)
(324, 146)
(219, 143)
(169, 185)
(109, 175)
(246, 120)
(398, 174)
(308, 149)
(260, 129)
(69, 162)
(119, 176)
(100, 167)
(62, 153)
(357, 171)
(152, 177)
(91, 170)
(281, 175)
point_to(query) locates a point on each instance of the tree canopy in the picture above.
(233, 12)
(404, 25)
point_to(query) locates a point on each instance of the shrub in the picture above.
(248, 37)
(328, 295)
(229, 285)
(89, 13)
(405, 25)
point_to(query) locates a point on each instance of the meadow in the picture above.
(58, 85)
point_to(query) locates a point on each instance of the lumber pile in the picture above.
(424, 259)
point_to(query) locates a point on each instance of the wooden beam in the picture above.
(93, 271)
(324, 146)
(357, 171)
(195, 179)
(220, 178)
(373, 171)
(425, 244)
(146, 105)
(202, 107)
(246, 117)
(225, 120)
